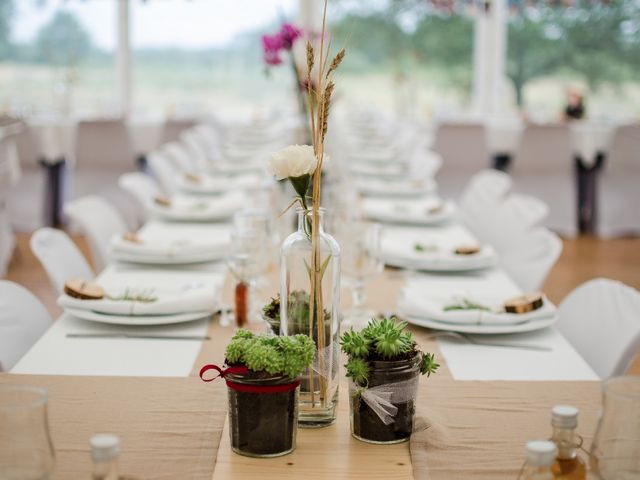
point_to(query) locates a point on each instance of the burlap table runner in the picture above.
(169, 428)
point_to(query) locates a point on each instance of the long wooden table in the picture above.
(176, 427)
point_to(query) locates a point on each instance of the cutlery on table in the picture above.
(138, 336)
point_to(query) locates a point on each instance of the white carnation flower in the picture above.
(293, 161)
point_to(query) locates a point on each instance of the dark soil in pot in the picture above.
(262, 424)
(366, 424)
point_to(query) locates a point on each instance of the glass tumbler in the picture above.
(26, 451)
(615, 451)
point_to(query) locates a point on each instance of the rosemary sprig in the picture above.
(132, 295)
(466, 304)
(420, 247)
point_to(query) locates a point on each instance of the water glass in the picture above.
(615, 451)
(26, 451)
(361, 262)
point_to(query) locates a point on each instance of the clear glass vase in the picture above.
(299, 308)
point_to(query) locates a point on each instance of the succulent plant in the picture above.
(288, 356)
(381, 339)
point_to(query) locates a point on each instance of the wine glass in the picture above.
(26, 451)
(615, 450)
(361, 261)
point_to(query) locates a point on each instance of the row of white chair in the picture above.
(511, 223)
(543, 166)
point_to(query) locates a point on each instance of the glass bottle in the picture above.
(105, 449)
(568, 465)
(319, 385)
(26, 451)
(540, 456)
(615, 450)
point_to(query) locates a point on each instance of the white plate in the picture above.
(406, 218)
(136, 319)
(466, 264)
(168, 260)
(391, 189)
(184, 215)
(529, 326)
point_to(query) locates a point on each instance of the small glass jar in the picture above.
(615, 449)
(319, 387)
(26, 450)
(262, 424)
(366, 425)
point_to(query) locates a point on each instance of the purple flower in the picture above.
(289, 34)
(272, 43)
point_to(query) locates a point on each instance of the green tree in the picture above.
(63, 41)
(6, 14)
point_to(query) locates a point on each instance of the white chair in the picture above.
(103, 144)
(142, 188)
(9, 175)
(179, 156)
(530, 256)
(196, 148)
(164, 172)
(59, 257)
(173, 127)
(99, 221)
(104, 151)
(543, 166)
(464, 150)
(23, 320)
(601, 319)
(479, 203)
(617, 185)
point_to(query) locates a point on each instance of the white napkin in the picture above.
(201, 209)
(418, 304)
(417, 212)
(396, 188)
(209, 184)
(194, 300)
(165, 248)
(397, 247)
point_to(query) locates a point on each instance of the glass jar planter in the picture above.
(395, 382)
(313, 312)
(263, 414)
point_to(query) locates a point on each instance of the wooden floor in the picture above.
(582, 259)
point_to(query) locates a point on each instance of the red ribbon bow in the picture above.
(241, 387)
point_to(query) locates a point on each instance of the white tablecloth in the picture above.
(56, 354)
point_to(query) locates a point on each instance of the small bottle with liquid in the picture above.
(568, 465)
(540, 456)
(105, 449)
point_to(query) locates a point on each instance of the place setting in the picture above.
(404, 187)
(209, 184)
(449, 248)
(180, 208)
(428, 210)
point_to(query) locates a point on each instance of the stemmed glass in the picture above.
(361, 262)
(26, 452)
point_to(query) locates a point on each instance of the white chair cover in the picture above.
(99, 221)
(103, 144)
(23, 320)
(543, 166)
(196, 148)
(8, 177)
(480, 200)
(173, 127)
(179, 156)
(618, 193)
(60, 257)
(464, 150)
(142, 188)
(601, 319)
(164, 172)
(530, 256)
